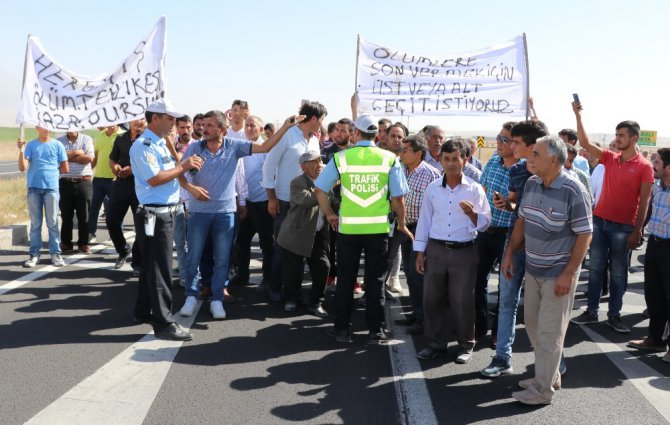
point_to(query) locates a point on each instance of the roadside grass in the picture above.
(13, 207)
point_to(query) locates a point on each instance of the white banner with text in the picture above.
(492, 81)
(57, 99)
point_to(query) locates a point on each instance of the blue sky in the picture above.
(273, 54)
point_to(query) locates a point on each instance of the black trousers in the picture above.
(349, 248)
(276, 282)
(490, 246)
(75, 198)
(123, 197)
(657, 287)
(154, 290)
(293, 271)
(259, 221)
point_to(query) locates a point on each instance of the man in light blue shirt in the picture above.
(155, 171)
(281, 167)
(258, 219)
(212, 207)
(45, 159)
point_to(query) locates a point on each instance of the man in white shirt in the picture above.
(281, 167)
(454, 209)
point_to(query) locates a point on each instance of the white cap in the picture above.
(366, 123)
(163, 106)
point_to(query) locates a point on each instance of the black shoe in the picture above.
(144, 318)
(381, 337)
(136, 272)
(318, 311)
(121, 260)
(174, 332)
(339, 335)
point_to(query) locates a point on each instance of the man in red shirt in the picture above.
(618, 218)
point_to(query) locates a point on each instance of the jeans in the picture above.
(608, 238)
(509, 292)
(102, 191)
(220, 226)
(180, 241)
(490, 246)
(39, 201)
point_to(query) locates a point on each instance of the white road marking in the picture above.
(69, 260)
(411, 391)
(122, 391)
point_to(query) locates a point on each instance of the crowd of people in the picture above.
(324, 195)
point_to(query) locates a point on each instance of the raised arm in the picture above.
(594, 150)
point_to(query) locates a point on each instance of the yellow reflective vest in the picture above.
(364, 175)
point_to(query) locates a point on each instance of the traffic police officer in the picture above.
(156, 174)
(369, 176)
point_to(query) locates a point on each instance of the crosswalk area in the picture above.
(70, 353)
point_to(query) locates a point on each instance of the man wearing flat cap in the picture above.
(304, 235)
(369, 177)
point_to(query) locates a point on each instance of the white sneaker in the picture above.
(394, 284)
(92, 239)
(216, 308)
(57, 260)
(32, 261)
(189, 306)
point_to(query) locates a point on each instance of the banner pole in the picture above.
(22, 130)
(527, 92)
(358, 50)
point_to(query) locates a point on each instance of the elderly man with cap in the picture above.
(304, 235)
(156, 173)
(369, 176)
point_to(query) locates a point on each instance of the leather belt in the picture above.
(452, 244)
(159, 209)
(497, 230)
(658, 240)
(76, 179)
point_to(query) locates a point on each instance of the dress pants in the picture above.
(490, 247)
(349, 248)
(276, 283)
(657, 286)
(123, 197)
(546, 317)
(293, 271)
(448, 295)
(75, 197)
(259, 221)
(154, 290)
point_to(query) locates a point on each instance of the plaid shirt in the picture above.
(418, 180)
(659, 225)
(495, 178)
(84, 143)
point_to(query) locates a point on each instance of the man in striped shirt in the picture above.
(555, 225)
(656, 266)
(419, 175)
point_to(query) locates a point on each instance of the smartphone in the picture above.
(497, 195)
(575, 97)
(292, 120)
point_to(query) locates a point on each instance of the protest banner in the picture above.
(492, 81)
(59, 100)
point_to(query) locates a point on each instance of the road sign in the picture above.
(481, 141)
(647, 138)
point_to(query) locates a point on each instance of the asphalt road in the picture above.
(9, 169)
(70, 353)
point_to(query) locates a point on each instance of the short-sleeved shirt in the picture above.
(554, 216)
(620, 197)
(281, 164)
(495, 178)
(659, 224)
(397, 181)
(149, 155)
(82, 142)
(217, 174)
(103, 144)
(44, 159)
